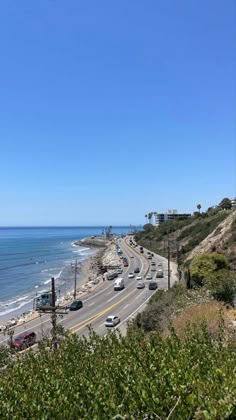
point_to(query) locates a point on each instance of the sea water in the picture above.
(29, 257)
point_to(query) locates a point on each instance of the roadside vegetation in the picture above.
(138, 376)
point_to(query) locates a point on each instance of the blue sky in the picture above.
(110, 109)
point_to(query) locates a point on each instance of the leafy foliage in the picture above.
(211, 271)
(225, 204)
(204, 265)
(135, 377)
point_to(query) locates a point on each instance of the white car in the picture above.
(140, 285)
(149, 277)
(131, 275)
(112, 321)
(139, 278)
(153, 268)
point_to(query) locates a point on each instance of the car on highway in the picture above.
(131, 275)
(77, 304)
(153, 285)
(153, 263)
(159, 264)
(119, 271)
(137, 270)
(112, 276)
(149, 277)
(24, 340)
(139, 278)
(131, 256)
(160, 274)
(149, 257)
(140, 285)
(112, 321)
(153, 268)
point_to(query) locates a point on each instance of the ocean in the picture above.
(30, 256)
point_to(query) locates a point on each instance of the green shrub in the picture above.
(204, 265)
(135, 377)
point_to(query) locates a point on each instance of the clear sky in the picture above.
(110, 109)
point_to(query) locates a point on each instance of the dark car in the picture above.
(153, 285)
(77, 304)
(137, 270)
(24, 340)
(160, 274)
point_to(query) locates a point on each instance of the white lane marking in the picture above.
(126, 306)
(136, 310)
(92, 303)
(138, 296)
(109, 292)
(96, 294)
(101, 325)
(116, 295)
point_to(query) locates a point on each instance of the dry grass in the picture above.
(208, 312)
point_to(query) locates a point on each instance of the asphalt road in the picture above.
(104, 301)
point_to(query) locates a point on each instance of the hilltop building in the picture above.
(170, 215)
(233, 202)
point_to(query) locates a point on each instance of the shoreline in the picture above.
(88, 280)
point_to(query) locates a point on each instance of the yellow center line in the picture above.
(83, 324)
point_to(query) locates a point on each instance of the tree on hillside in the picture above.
(211, 271)
(148, 227)
(204, 265)
(225, 204)
(146, 217)
(149, 216)
(199, 207)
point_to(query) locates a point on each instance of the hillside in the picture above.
(205, 232)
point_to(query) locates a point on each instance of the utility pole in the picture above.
(75, 268)
(54, 311)
(168, 256)
(54, 316)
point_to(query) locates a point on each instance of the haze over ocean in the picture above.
(29, 257)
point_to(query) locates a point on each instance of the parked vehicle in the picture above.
(24, 340)
(119, 284)
(77, 304)
(137, 270)
(112, 321)
(153, 285)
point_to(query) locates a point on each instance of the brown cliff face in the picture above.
(205, 233)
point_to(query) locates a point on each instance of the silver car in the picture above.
(112, 321)
(140, 285)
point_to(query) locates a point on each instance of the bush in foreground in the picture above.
(135, 377)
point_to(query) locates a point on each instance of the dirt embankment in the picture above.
(216, 240)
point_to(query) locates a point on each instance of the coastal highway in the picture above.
(104, 301)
